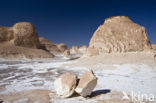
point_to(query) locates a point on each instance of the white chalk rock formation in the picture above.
(21, 34)
(154, 46)
(56, 49)
(66, 53)
(86, 84)
(119, 34)
(78, 49)
(21, 41)
(48, 45)
(62, 47)
(25, 35)
(65, 84)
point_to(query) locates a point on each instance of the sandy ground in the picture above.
(132, 74)
(31, 96)
(46, 96)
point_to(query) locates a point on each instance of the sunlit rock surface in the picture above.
(119, 34)
(86, 84)
(65, 84)
(21, 41)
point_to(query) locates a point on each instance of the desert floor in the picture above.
(31, 81)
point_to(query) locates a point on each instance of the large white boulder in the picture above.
(86, 84)
(65, 84)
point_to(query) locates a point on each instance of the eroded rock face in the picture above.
(12, 51)
(86, 84)
(21, 34)
(55, 49)
(45, 41)
(154, 46)
(62, 47)
(118, 34)
(66, 53)
(25, 35)
(48, 45)
(65, 84)
(6, 34)
(21, 41)
(78, 49)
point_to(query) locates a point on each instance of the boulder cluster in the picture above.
(67, 84)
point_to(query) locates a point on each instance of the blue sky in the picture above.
(74, 21)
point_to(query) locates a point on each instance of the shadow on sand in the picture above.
(94, 93)
(99, 92)
(73, 58)
(1, 101)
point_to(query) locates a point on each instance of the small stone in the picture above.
(86, 84)
(65, 84)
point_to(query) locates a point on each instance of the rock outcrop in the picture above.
(66, 53)
(12, 51)
(55, 49)
(48, 45)
(118, 34)
(6, 34)
(25, 35)
(62, 47)
(65, 84)
(78, 49)
(86, 84)
(154, 46)
(21, 34)
(21, 40)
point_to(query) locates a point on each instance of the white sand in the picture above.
(136, 76)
